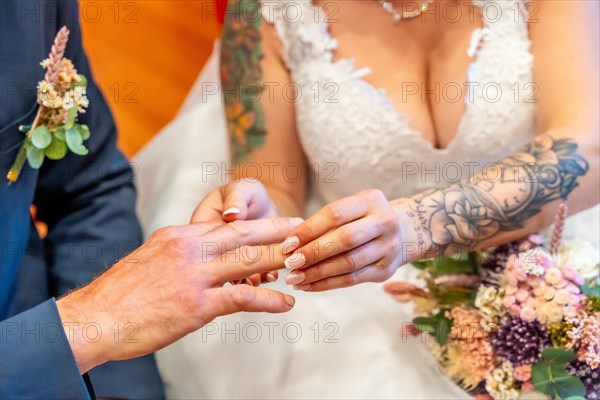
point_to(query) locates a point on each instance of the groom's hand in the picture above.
(171, 286)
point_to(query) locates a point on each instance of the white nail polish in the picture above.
(231, 210)
(302, 287)
(271, 277)
(290, 244)
(295, 261)
(295, 278)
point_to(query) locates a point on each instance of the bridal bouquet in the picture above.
(520, 320)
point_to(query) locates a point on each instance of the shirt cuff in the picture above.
(36, 360)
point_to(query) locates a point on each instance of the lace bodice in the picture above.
(359, 140)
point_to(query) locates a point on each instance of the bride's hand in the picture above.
(353, 240)
(242, 200)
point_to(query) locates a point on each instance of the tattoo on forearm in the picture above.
(502, 197)
(241, 77)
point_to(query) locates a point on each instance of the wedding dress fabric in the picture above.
(345, 343)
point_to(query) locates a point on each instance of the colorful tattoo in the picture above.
(503, 197)
(241, 77)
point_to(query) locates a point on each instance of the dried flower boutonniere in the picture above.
(61, 95)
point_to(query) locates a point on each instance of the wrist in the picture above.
(415, 245)
(88, 353)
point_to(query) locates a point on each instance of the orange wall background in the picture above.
(146, 54)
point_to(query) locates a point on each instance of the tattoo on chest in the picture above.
(503, 196)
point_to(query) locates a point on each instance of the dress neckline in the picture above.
(476, 43)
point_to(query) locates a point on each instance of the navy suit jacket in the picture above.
(88, 204)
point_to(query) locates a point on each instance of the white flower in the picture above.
(582, 256)
(501, 384)
(75, 96)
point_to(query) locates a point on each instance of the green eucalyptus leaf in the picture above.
(41, 137)
(60, 134)
(590, 290)
(557, 355)
(438, 326)
(57, 149)
(540, 376)
(75, 142)
(35, 157)
(84, 130)
(71, 118)
(422, 264)
(575, 398)
(551, 378)
(454, 266)
(82, 81)
(568, 386)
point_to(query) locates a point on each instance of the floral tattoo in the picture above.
(241, 76)
(467, 213)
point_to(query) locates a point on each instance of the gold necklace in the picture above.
(399, 16)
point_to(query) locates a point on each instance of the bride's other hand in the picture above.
(246, 199)
(353, 240)
(243, 200)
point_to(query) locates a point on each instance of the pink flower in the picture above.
(528, 387)
(509, 301)
(562, 297)
(572, 288)
(522, 295)
(527, 314)
(534, 281)
(522, 373)
(571, 274)
(511, 289)
(514, 310)
(549, 293)
(553, 312)
(540, 289)
(553, 276)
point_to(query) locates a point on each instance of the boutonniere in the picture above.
(61, 96)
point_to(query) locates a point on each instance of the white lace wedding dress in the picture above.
(345, 343)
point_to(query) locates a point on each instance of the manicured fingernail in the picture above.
(271, 277)
(290, 244)
(248, 282)
(296, 222)
(302, 287)
(295, 261)
(231, 210)
(289, 300)
(295, 278)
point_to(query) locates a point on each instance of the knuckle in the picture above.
(166, 233)
(242, 296)
(346, 237)
(180, 246)
(239, 229)
(374, 194)
(353, 260)
(335, 214)
(390, 221)
(394, 247)
(351, 279)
